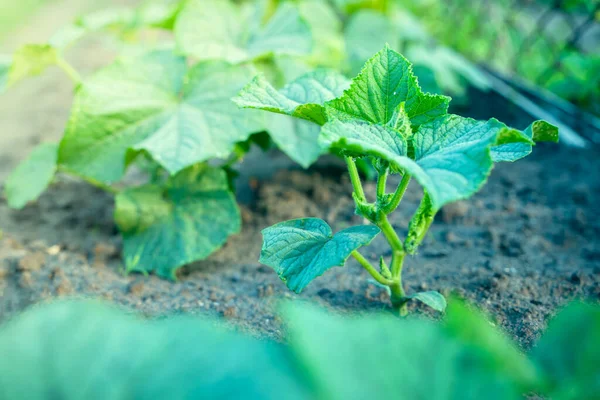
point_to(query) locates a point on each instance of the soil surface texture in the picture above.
(522, 247)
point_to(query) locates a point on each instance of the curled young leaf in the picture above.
(166, 227)
(513, 144)
(302, 249)
(419, 225)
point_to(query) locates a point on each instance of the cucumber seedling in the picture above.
(384, 116)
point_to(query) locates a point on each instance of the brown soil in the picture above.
(525, 245)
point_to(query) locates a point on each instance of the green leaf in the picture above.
(385, 82)
(216, 30)
(569, 355)
(31, 60)
(419, 225)
(379, 356)
(296, 138)
(501, 353)
(303, 98)
(167, 227)
(514, 144)
(302, 249)
(432, 299)
(27, 182)
(451, 154)
(155, 103)
(85, 350)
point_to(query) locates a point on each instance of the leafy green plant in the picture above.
(74, 350)
(386, 117)
(166, 109)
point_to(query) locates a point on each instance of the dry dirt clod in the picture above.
(230, 312)
(136, 288)
(105, 251)
(26, 280)
(454, 211)
(32, 261)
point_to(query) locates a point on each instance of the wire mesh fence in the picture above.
(554, 44)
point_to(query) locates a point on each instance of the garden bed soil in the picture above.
(522, 247)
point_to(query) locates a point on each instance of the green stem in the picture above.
(398, 298)
(371, 270)
(381, 182)
(69, 70)
(398, 194)
(391, 236)
(355, 179)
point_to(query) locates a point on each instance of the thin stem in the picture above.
(391, 235)
(398, 194)
(355, 179)
(381, 182)
(370, 269)
(69, 70)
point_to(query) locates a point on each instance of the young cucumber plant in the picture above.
(384, 116)
(168, 109)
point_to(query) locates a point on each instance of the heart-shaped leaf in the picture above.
(155, 103)
(167, 227)
(302, 249)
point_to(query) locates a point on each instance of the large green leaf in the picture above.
(217, 30)
(27, 182)
(155, 103)
(302, 249)
(383, 357)
(86, 350)
(451, 154)
(569, 355)
(303, 98)
(514, 149)
(297, 138)
(386, 82)
(167, 227)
